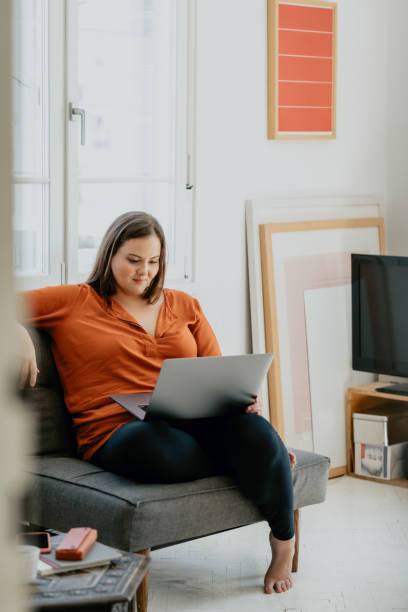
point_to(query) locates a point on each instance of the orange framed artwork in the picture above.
(302, 45)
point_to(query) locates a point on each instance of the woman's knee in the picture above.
(150, 443)
(131, 443)
(251, 425)
(160, 453)
(255, 433)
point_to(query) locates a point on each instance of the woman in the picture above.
(110, 336)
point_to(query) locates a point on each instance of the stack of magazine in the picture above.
(99, 554)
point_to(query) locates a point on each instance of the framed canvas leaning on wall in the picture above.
(289, 209)
(306, 276)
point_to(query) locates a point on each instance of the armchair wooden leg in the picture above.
(142, 591)
(296, 515)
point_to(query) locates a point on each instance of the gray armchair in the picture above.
(66, 491)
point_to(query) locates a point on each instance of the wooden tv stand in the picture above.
(360, 399)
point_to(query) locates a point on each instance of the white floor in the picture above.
(353, 558)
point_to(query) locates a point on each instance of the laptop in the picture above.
(200, 387)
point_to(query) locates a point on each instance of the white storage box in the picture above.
(378, 461)
(384, 425)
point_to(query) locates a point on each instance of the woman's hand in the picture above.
(256, 407)
(292, 458)
(29, 368)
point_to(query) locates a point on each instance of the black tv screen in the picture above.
(380, 314)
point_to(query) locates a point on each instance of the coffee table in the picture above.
(109, 588)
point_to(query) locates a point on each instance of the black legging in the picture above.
(246, 446)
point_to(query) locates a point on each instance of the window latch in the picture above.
(73, 110)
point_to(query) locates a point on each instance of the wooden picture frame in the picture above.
(302, 68)
(306, 273)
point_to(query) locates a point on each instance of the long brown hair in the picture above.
(134, 224)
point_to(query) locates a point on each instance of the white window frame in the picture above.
(180, 274)
(53, 222)
(63, 138)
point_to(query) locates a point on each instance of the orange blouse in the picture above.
(101, 351)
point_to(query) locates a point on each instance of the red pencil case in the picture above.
(76, 543)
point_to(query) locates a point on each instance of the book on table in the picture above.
(99, 554)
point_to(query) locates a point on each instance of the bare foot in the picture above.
(278, 577)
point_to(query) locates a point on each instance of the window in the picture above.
(30, 132)
(124, 147)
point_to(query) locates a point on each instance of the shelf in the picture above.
(370, 390)
(360, 399)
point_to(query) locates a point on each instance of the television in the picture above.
(379, 294)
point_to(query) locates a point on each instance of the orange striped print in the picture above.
(305, 68)
(305, 94)
(316, 44)
(297, 17)
(305, 119)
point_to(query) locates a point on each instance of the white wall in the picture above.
(235, 160)
(397, 145)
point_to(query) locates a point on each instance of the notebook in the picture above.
(99, 554)
(200, 387)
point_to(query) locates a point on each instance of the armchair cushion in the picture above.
(133, 516)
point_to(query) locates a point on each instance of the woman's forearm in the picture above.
(29, 370)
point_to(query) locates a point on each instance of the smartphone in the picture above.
(41, 539)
